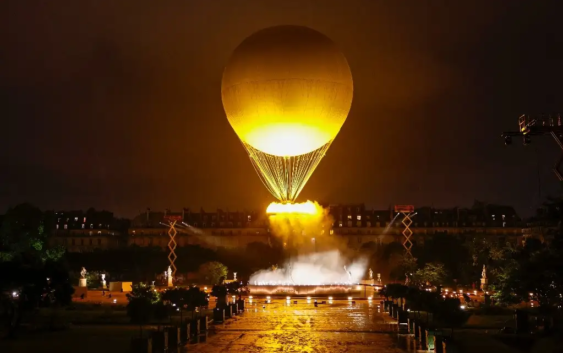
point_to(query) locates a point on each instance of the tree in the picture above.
(433, 273)
(212, 272)
(533, 269)
(188, 298)
(25, 288)
(142, 304)
(406, 267)
(23, 235)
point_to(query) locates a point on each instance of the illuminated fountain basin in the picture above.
(335, 290)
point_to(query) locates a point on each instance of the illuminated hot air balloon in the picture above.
(287, 91)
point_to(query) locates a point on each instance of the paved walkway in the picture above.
(335, 328)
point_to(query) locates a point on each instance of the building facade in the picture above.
(353, 224)
(80, 231)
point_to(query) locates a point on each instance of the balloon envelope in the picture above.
(287, 90)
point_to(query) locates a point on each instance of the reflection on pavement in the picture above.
(302, 327)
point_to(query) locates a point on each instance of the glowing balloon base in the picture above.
(307, 208)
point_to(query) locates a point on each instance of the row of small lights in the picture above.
(288, 299)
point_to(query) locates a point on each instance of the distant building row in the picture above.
(85, 231)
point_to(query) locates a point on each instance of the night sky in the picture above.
(117, 104)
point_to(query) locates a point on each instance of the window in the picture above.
(359, 218)
(66, 226)
(91, 225)
(82, 225)
(76, 219)
(503, 224)
(57, 226)
(249, 218)
(349, 216)
(84, 220)
(340, 224)
(503, 217)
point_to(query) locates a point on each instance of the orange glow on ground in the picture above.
(293, 208)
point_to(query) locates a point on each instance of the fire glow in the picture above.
(308, 208)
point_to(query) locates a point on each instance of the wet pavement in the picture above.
(302, 327)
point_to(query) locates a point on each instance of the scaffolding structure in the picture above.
(538, 125)
(172, 232)
(407, 212)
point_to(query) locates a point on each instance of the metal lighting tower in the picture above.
(406, 211)
(172, 220)
(536, 125)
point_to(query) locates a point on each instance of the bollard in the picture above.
(438, 343)
(410, 325)
(218, 315)
(430, 336)
(194, 326)
(141, 345)
(240, 304)
(402, 321)
(203, 324)
(395, 311)
(159, 341)
(234, 309)
(173, 338)
(422, 337)
(185, 333)
(228, 311)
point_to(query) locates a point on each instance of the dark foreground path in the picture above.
(335, 328)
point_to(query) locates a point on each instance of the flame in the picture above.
(308, 207)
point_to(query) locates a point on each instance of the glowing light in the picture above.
(288, 298)
(293, 208)
(250, 297)
(308, 298)
(462, 307)
(349, 298)
(320, 268)
(369, 298)
(286, 104)
(329, 298)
